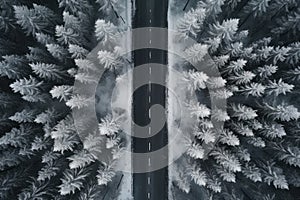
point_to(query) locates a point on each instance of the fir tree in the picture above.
(196, 80)
(191, 22)
(288, 23)
(73, 180)
(105, 31)
(257, 7)
(34, 20)
(48, 71)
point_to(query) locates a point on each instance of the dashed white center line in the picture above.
(149, 98)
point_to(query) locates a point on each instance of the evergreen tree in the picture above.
(36, 19)
(105, 31)
(191, 22)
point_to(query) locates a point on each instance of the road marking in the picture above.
(149, 98)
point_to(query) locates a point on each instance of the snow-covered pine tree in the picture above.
(36, 19)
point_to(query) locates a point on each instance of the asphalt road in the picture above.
(151, 185)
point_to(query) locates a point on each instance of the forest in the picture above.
(255, 45)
